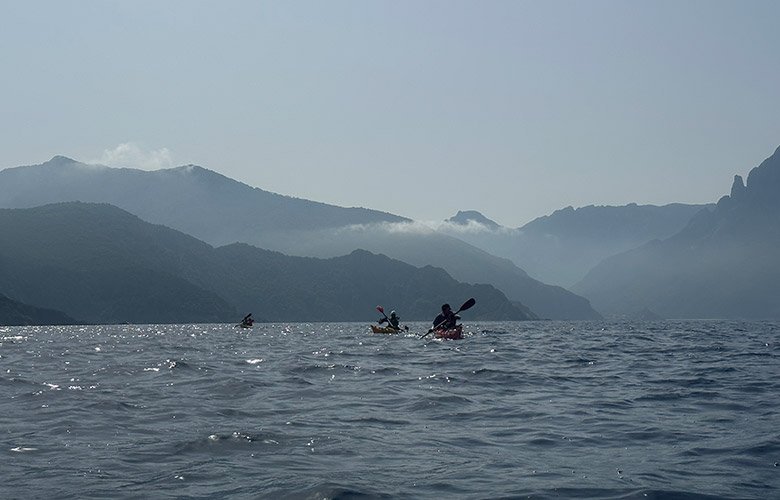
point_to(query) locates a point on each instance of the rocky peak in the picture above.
(737, 188)
(61, 159)
(463, 217)
(763, 183)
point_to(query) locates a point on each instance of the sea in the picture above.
(543, 409)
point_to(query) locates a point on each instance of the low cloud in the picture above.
(389, 227)
(129, 154)
(419, 227)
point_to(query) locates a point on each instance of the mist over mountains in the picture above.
(674, 261)
(562, 247)
(219, 210)
(192, 199)
(723, 264)
(100, 264)
(644, 262)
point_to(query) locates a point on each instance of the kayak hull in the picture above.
(383, 329)
(452, 333)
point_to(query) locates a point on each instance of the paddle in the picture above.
(382, 310)
(247, 321)
(466, 305)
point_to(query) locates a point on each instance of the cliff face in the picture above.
(764, 181)
(748, 216)
(723, 264)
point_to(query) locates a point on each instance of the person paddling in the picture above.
(446, 322)
(393, 321)
(247, 321)
(447, 319)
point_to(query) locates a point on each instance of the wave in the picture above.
(616, 411)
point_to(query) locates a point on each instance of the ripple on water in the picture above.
(529, 409)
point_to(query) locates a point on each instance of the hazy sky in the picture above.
(419, 108)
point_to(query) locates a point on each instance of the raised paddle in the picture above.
(382, 310)
(466, 305)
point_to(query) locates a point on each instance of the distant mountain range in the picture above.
(219, 210)
(100, 264)
(562, 247)
(194, 200)
(723, 264)
(674, 261)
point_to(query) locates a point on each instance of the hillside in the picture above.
(562, 247)
(723, 264)
(219, 211)
(421, 246)
(192, 199)
(349, 287)
(13, 313)
(103, 265)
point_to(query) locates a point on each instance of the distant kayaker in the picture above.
(447, 319)
(393, 320)
(247, 321)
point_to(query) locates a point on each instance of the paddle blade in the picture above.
(380, 309)
(467, 305)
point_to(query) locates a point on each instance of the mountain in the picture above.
(101, 264)
(467, 217)
(562, 247)
(723, 264)
(420, 246)
(219, 211)
(349, 287)
(192, 199)
(13, 313)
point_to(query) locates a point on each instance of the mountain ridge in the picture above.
(562, 247)
(721, 265)
(101, 264)
(218, 210)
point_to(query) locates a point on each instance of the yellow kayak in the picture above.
(384, 329)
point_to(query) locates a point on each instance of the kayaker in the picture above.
(393, 320)
(247, 321)
(447, 319)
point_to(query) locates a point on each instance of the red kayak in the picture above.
(452, 333)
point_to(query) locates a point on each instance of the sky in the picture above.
(418, 108)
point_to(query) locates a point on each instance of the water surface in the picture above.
(516, 410)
